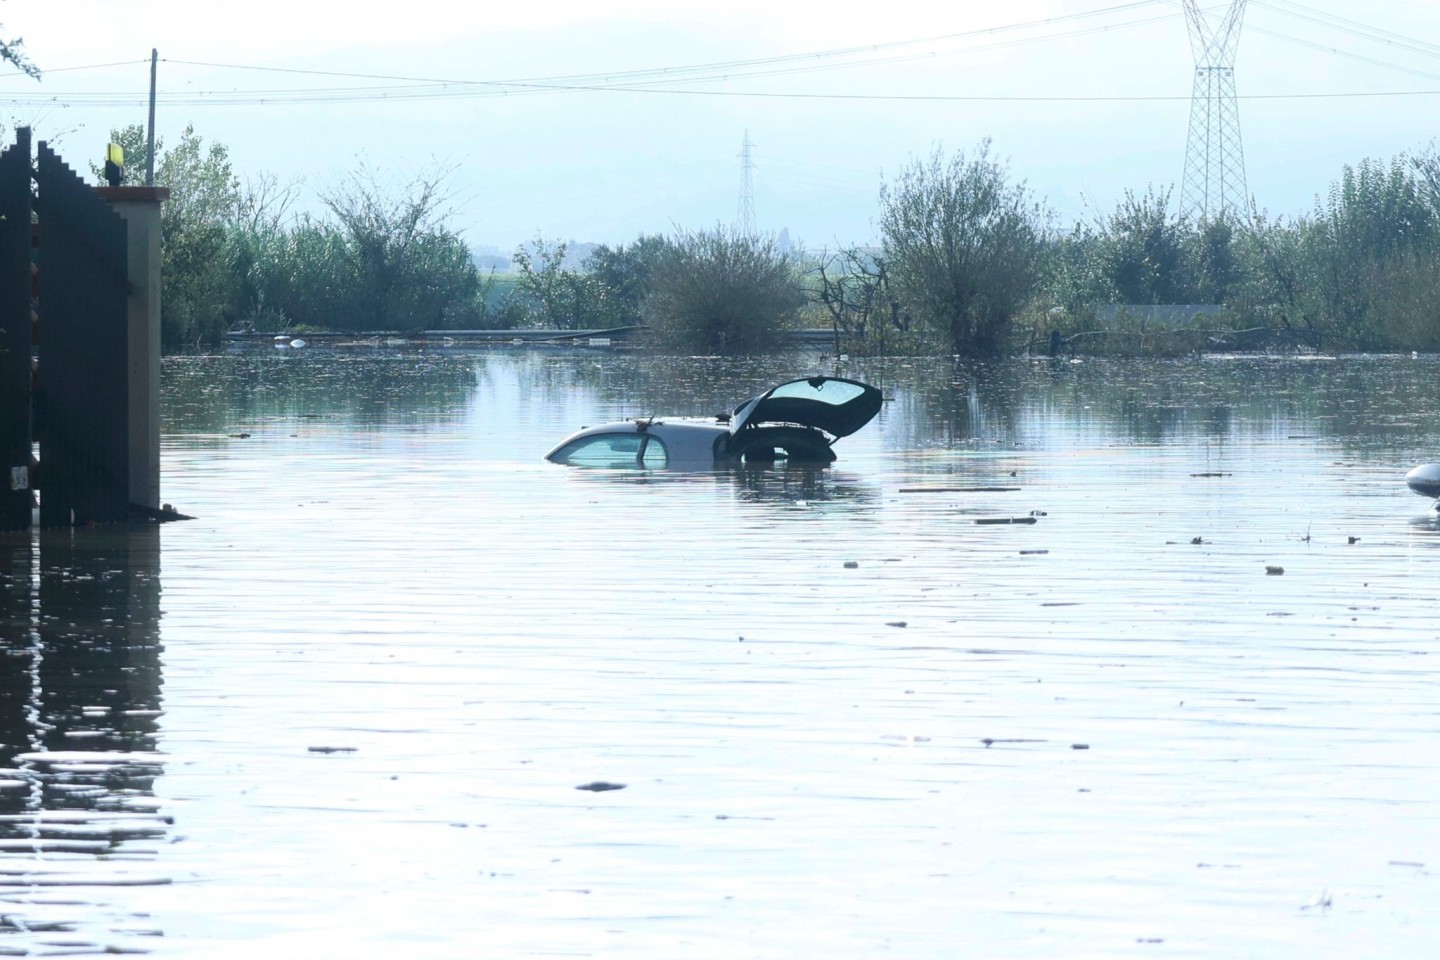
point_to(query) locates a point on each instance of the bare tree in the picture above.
(855, 291)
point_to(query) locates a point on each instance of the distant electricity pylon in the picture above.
(1214, 184)
(745, 212)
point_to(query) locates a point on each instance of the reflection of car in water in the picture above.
(1425, 480)
(798, 422)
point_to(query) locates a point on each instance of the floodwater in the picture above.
(345, 712)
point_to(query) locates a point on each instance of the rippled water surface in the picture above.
(345, 711)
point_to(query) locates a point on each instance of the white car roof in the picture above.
(686, 439)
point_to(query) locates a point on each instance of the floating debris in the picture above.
(1212, 474)
(107, 759)
(331, 749)
(1271, 571)
(1079, 746)
(1354, 540)
(990, 520)
(960, 489)
(87, 880)
(851, 564)
(600, 786)
(992, 740)
(897, 623)
(1033, 553)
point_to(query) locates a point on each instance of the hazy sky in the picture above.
(551, 129)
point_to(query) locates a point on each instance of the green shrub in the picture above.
(721, 292)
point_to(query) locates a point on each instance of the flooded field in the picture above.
(1189, 711)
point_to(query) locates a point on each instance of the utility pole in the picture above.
(1214, 183)
(150, 131)
(745, 212)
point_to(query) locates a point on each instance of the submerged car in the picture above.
(797, 422)
(1425, 479)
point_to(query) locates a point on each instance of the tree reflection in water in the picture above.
(79, 710)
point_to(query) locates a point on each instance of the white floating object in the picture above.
(86, 756)
(1425, 479)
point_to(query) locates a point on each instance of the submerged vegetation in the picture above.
(967, 261)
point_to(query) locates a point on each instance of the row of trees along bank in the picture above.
(967, 261)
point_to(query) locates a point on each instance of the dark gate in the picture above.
(82, 397)
(64, 346)
(16, 500)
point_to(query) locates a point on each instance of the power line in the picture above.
(673, 73)
(677, 80)
(129, 100)
(629, 80)
(1352, 27)
(744, 70)
(88, 66)
(1360, 58)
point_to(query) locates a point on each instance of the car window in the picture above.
(614, 450)
(833, 392)
(655, 454)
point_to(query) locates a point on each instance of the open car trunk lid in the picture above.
(836, 406)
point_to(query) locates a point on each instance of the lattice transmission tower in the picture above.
(1214, 183)
(745, 211)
